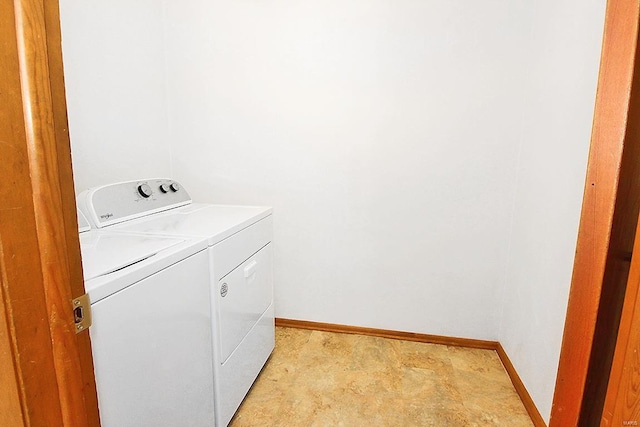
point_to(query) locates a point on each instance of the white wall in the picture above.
(115, 82)
(383, 133)
(564, 56)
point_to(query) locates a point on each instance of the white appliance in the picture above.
(240, 253)
(151, 333)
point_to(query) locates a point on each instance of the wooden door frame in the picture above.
(47, 370)
(621, 403)
(607, 227)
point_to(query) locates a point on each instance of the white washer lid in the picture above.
(104, 253)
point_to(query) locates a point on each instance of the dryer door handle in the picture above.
(250, 269)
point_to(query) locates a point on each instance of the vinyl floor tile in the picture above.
(316, 378)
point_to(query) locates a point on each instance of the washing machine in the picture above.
(240, 255)
(151, 333)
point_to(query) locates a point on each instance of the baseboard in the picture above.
(385, 333)
(528, 403)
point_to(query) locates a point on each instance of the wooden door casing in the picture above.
(607, 227)
(622, 404)
(48, 378)
(68, 199)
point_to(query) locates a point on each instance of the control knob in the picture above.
(144, 190)
(174, 187)
(164, 188)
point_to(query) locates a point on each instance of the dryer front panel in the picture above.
(243, 296)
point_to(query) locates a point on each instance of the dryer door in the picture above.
(243, 296)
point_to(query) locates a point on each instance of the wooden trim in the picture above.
(68, 202)
(607, 225)
(44, 166)
(40, 270)
(32, 377)
(527, 401)
(10, 393)
(385, 333)
(621, 403)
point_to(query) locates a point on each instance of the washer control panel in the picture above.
(122, 201)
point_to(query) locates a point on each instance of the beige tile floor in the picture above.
(326, 379)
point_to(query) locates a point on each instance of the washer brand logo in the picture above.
(224, 289)
(106, 216)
